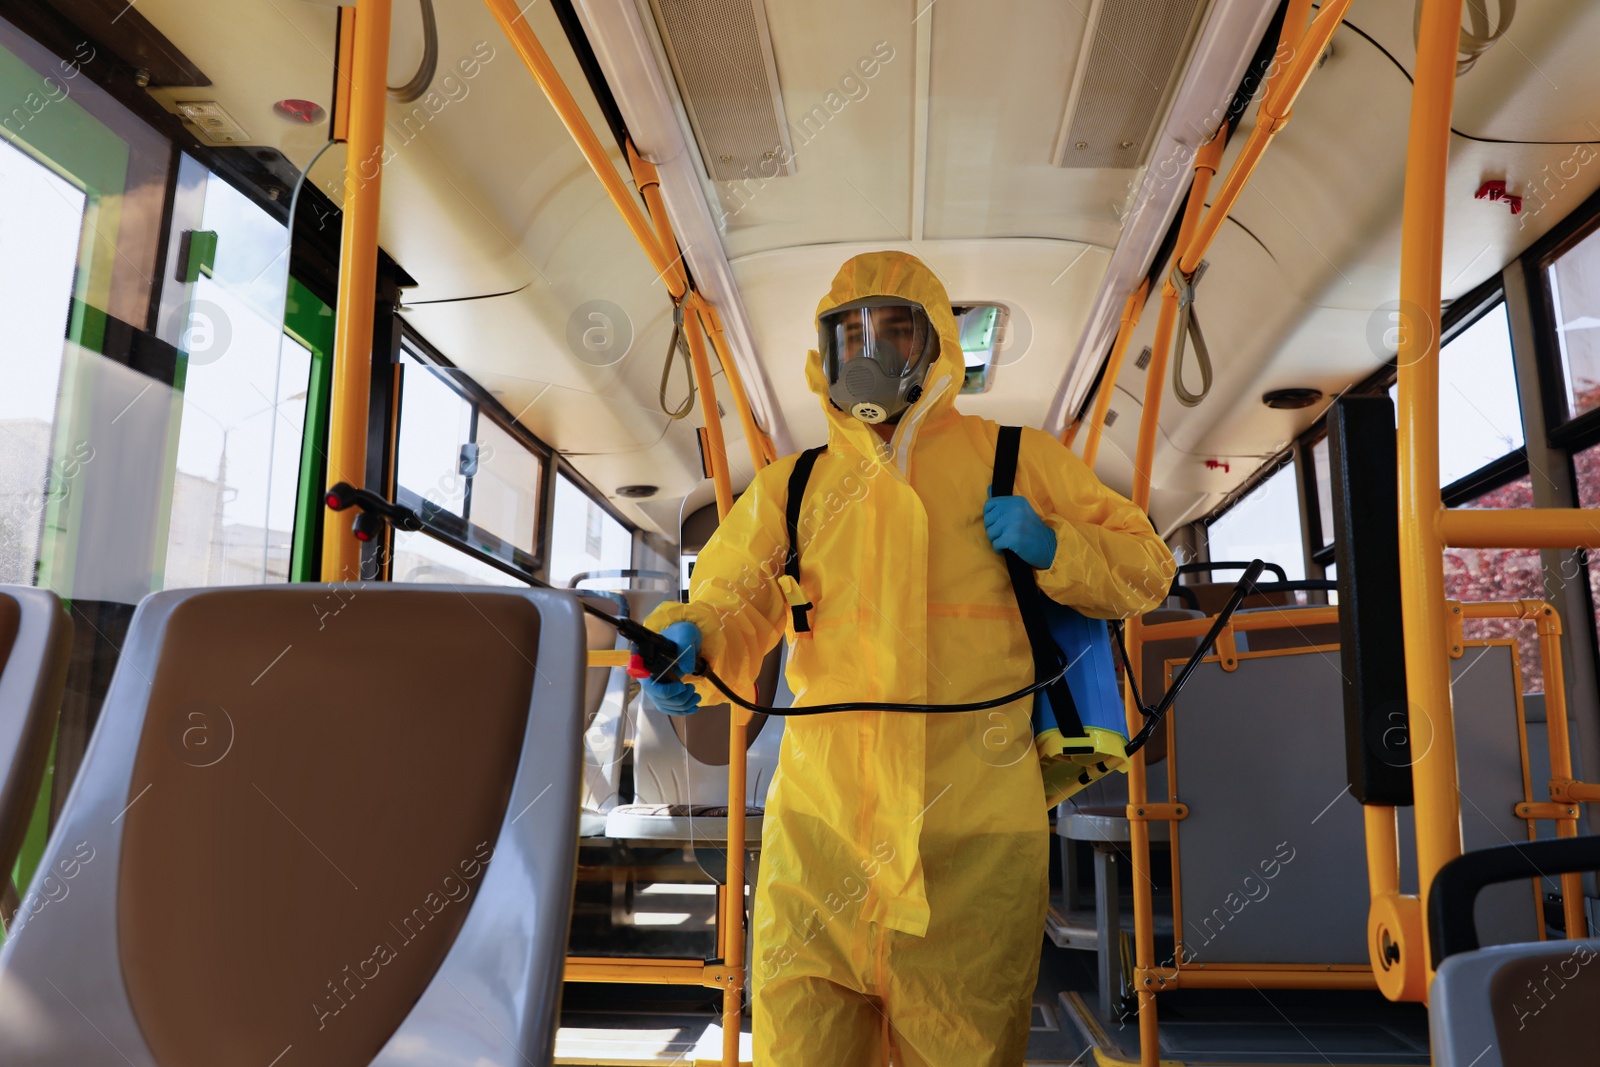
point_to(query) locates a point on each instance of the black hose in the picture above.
(861, 705)
(652, 647)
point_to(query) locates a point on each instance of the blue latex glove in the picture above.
(1012, 523)
(677, 698)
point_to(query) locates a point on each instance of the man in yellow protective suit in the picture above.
(904, 871)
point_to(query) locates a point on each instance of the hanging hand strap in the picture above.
(677, 346)
(791, 518)
(1047, 657)
(1189, 329)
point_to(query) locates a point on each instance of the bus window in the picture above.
(468, 474)
(1586, 465)
(1265, 524)
(1324, 485)
(1575, 296)
(244, 394)
(583, 536)
(42, 218)
(1479, 416)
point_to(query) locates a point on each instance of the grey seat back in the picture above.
(1213, 596)
(1272, 835)
(1296, 634)
(1525, 1005)
(35, 649)
(350, 836)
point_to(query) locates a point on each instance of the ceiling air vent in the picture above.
(1125, 72)
(721, 53)
(1111, 417)
(1144, 358)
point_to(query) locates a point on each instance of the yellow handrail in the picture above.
(358, 277)
(760, 446)
(1520, 528)
(654, 234)
(1294, 25)
(1145, 976)
(654, 237)
(634, 971)
(1422, 594)
(516, 27)
(1272, 116)
(1205, 168)
(1132, 308)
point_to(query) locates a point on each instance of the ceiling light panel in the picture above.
(1125, 75)
(721, 54)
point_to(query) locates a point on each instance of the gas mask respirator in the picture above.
(876, 353)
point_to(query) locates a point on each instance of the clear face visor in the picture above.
(896, 334)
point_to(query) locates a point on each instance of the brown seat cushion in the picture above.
(313, 801)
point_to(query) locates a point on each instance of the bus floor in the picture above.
(635, 1025)
(644, 1024)
(1248, 1027)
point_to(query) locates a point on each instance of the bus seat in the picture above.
(680, 771)
(334, 819)
(1268, 739)
(35, 649)
(1212, 597)
(1525, 1005)
(1515, 1005)
(1292, 636)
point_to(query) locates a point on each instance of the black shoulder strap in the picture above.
(1047, 658)
(791, 517)
(1005, 459)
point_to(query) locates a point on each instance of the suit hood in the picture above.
(901, 275)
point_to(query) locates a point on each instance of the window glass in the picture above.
(1324, 482)
(1479, 417)
(505, 491)
(1575, 299)
(244, 387)
(583, 536)
(420, 558)
(435, 421)
(1586, 465)
(473, 478)
(1264, 525)
(1478, 574)
(41, 218)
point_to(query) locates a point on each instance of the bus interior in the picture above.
(361, 366)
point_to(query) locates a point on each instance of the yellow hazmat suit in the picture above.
(904, 866)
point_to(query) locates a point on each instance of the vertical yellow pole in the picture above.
(1432, 727)
(753, 437)
(1555, 706)
(358, 280)
(731, 924)
(1383, 850)
(1205, 168)
(713, 419)
(732, 920)
(1131, 310)
(1289, 38)
(1205, 165)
